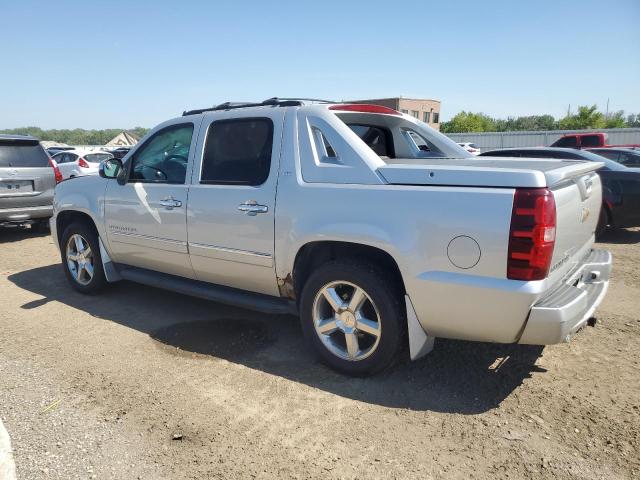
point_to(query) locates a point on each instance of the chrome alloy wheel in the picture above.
(80, 259)
(346, 320)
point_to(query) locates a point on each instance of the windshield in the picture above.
(97, 157)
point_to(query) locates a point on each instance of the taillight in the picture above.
(364, 108)
(83, 163)
(56, 171)
(532, 235)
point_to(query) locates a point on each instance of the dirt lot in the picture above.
(142, 383)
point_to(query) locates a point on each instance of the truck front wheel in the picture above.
(81, 258)
(353, 316)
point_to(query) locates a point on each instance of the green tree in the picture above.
(587, 117)
(468, 122)
(615, 120)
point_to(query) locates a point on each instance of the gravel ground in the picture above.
(142, 383)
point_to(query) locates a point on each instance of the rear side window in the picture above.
(588, 141)
(238, 152)
(21, 153)
(566, 142)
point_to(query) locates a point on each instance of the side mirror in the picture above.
(110, 168)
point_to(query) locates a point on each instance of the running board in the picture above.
(209, 291)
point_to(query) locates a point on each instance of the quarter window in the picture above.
(238, 152)
(163, 158)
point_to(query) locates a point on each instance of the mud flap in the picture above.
(110, 272)
(419, 342)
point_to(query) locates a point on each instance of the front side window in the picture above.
(238, 152)
(163, 158)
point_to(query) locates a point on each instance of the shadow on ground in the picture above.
(621, 236)
(457, 377)
(15, 234)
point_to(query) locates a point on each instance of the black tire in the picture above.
(604, 220)
(98, 280)
(383, 293)
(41, 226)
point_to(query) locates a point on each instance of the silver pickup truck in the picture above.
(378, 231)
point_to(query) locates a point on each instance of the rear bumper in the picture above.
(565, 310)
(24, 214)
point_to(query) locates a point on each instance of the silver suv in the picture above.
(27, 180)
(377, 230)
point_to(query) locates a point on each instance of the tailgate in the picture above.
(578, 202)
(26, 187)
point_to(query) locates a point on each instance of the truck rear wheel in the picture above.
(353, 317)
(81, 258)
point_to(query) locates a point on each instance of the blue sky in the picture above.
(92, 64)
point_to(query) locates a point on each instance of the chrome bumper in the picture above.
(560, 314)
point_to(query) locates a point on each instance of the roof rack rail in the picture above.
(274, 101)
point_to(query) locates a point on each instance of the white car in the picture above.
(472, 148)
(78, 162)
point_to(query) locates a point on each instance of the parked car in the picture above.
(472, 148)
(371, 239)
(27, 179)
(586, 140)
(621, 185)
(629, 157)
(120, 152)
(76, 162)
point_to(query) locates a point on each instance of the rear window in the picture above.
(20, 153)
(377, 139)
(97, 157)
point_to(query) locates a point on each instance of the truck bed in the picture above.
(483, 172)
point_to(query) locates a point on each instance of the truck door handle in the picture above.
(170, 203)
(252, 208)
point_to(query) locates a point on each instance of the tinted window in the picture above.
(22, 154)
(163, 158)
(566, 142)
(630, 159)
(501, 153)
(611, 154)
(238, 152)
(590, 141)
(377, 139)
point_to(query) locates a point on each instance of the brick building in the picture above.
(426, 110)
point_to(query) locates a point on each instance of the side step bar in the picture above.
(209, 291)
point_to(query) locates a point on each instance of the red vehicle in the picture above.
(586, 140)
